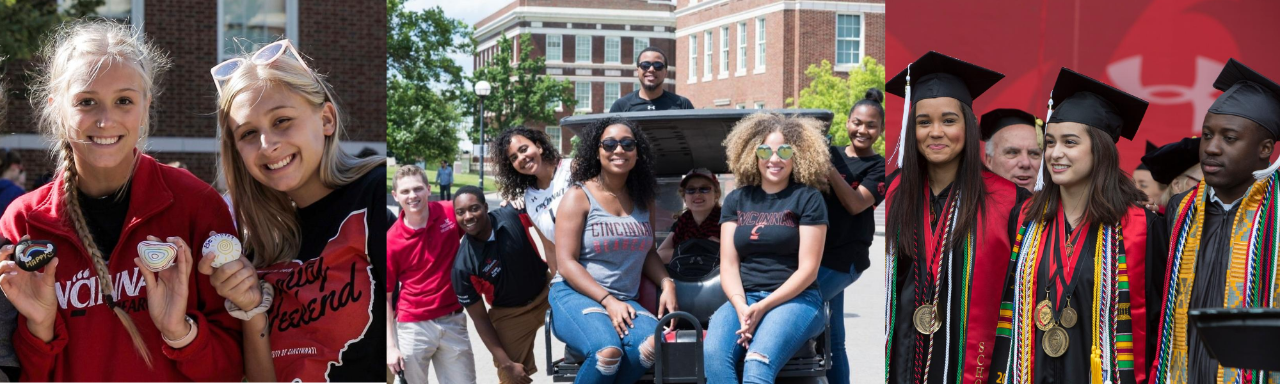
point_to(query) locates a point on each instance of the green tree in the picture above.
(426, 89)
(831, 92)
(521, 93)
(25, 23)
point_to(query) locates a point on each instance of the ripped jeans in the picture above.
(780, 334)
(585, 327)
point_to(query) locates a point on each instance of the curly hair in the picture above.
(641, 183)
(512, 184)
(803, 133)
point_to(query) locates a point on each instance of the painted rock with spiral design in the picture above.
(225, 248)
(156, 255)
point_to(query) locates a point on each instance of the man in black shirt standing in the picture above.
(651, 68)
(498, 258)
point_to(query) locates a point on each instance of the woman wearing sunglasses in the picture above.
(87, 317)
(701, 217)
(768, 269)
(309, 290)
(604, 244)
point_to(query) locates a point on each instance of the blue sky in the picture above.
(469, 11)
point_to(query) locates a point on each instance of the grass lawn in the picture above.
(459, 180)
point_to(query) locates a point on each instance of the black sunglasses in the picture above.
(656, 65)
(693, 191)
(610, 144)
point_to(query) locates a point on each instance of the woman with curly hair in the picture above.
(768, 268)
(950, 230)
(605, 241)
(532, 176)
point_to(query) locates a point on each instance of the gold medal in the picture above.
(1044, 315)
(926, 319)
(1054, 342)
(1068, 319)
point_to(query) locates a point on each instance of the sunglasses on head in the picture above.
(264, 56)
(610, 144)
(656, 65)
(785, 152)
(694, 191)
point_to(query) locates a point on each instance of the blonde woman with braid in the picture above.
(310, 216)
(94, 313)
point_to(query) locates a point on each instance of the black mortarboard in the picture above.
(938, 75)
(1172, 159)
(1249, 95)
(999, 118)
(1150, 148)
(1080, 99)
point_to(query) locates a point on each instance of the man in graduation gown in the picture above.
(1219, 240)
(943, 300)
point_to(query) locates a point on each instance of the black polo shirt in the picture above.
(632, 102)
(507, 263)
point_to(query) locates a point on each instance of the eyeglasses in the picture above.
(264, 56)
(628, 144)
(785, 152)
(694, 191)
(656, 65)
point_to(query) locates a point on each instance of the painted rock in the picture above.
(31, 255)
(225, 248)
(157, 255)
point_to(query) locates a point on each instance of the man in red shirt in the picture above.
(426, 325)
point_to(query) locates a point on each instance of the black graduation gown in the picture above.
(1210, 283)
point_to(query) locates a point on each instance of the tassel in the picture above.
(906, 111)
(1043, 157)
(1095, 366)
(1263, 174)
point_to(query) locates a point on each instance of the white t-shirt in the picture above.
(541, 204)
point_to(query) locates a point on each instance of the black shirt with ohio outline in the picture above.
(768, 233)
(508, 265)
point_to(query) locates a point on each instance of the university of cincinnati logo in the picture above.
(83, 290)
(755, 231)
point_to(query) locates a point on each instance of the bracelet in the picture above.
(666, 279)
(744, 298)
(606, 296)
(179, 343)
(268, 292)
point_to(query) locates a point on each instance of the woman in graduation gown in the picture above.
(1077, 284)
(950, 230)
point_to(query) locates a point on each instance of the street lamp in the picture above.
(482, 90)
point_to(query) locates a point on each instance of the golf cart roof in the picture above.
(689, 138)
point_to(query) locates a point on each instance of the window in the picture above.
(583, 49)
(724, 51)
(848, 39)
(742, 46)
(638, 45)
(759, 105)
(706, 68)
(742, 106)
(693, 57)
(760, 44)
(612, 91)
(246, 25)
(613, 49)
(125, 11)
(555, 48)
(553, 133)
(582, 92)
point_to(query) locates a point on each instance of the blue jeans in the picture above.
(445, 193)
(780, 334)
(585, 327)
(832, 284)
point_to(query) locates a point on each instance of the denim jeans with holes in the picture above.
(781, 333)
(832, 284)
(584, 326)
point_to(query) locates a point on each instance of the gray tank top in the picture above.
(614, 248)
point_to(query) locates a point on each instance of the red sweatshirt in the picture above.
(420, 263)
(89, 342)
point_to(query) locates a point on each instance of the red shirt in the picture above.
(419, 261)
(89, 342)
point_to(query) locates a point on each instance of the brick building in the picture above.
(593, 43)
(730, 63)
(344, 40)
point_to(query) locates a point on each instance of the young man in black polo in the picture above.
(497, 258)
(651, 69)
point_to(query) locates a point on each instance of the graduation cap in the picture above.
(938, 75)
(1081, 99)
(997, 119)
(1171, 160)
(1248, 94)
(1150, 148)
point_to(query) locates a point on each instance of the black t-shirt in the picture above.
(768, 234)
(105, 218)
(509, 264)
(350, 253)
(849, 237)
(632, 102)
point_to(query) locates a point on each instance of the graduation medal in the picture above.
(926, 319)
(1068, 318)
(1044, 315)
(1054, 342)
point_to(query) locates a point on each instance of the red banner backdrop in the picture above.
(1165, 51)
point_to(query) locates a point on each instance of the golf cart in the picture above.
(682, 140)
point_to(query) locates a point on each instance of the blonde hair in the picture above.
(809, 166)
(267, 218)
(110, 44)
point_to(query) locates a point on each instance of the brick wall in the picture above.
(349, 44)
(189, 33)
